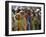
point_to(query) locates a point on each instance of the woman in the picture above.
(23, 20)
(20, 21)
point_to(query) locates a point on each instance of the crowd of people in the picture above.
(26, 18)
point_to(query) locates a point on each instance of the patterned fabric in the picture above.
(20, 24)
(34, 23)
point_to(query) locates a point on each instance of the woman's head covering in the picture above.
(21, 12)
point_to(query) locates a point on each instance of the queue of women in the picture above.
(26, 19)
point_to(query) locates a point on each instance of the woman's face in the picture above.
(22, 13)
(18, 16)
